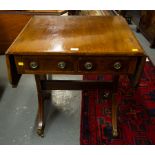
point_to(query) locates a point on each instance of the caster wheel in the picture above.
(115, 133)
(40, 132)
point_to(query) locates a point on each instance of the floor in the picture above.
(18, 109)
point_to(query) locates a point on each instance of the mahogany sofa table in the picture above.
(75, 45)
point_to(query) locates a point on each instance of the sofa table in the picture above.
(76, 45)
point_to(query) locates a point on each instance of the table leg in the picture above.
(41, 121)
(114, 117)
(152, 45)
(43, 84)
(135, 80)
(47, 93)
(114, 107)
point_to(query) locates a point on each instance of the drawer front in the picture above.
(45, 64)
(107, 64)
(75, 65)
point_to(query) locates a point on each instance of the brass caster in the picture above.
(40, 132)
(115, 133)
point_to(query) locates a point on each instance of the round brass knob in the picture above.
(34, 65)
(61, 64)
(117, 65)
(88, 65)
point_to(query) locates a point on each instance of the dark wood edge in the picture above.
(20, 12)
(135, 79)
(74, 84)
(13, 75)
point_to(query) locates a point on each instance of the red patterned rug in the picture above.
(136, 112)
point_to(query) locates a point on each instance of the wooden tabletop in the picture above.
(76, 35)
(34, 12)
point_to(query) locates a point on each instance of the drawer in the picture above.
(45, 64)
(74, 65)
(107, 64)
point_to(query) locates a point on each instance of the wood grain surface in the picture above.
(13, 21)
(76, 35)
